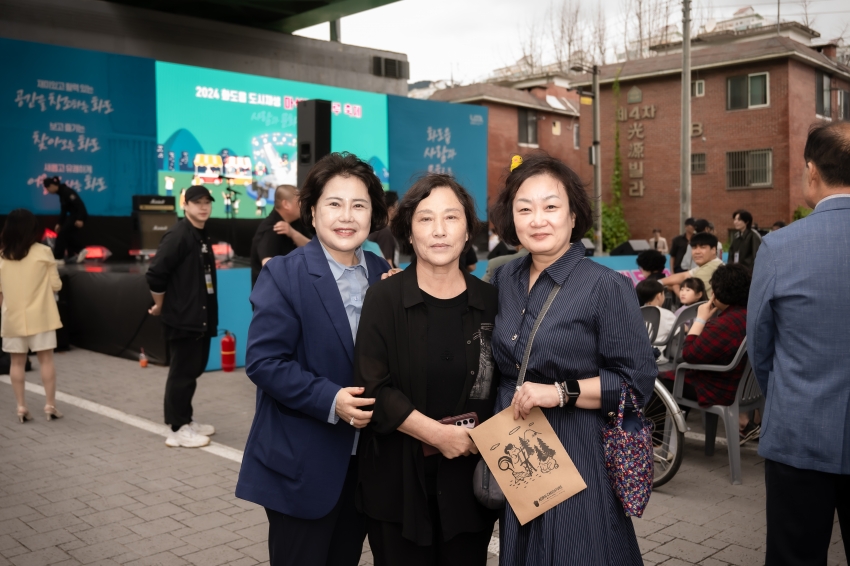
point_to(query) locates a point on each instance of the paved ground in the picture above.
(89, 489)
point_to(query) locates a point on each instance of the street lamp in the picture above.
(595, 154)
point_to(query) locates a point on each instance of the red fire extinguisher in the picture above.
(228, 352)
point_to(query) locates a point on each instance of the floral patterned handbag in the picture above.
(629, 458)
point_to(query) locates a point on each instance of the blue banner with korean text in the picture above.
(439, 137)
(85, 116)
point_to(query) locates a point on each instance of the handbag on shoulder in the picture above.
(629, 458)
(486, 489)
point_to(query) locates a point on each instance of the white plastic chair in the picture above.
(748, 398)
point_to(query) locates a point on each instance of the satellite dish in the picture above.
(710, 25)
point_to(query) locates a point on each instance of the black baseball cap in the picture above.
(196, 192)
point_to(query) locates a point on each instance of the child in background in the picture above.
(651, 293)
(691, 291)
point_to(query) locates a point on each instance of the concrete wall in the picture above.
(104, 26)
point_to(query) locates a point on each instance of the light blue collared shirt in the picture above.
(352, 281)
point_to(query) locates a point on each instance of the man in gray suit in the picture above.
(798, 345)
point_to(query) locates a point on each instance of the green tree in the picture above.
(615, 229)
(801, 212)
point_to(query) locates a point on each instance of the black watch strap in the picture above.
(573, 391)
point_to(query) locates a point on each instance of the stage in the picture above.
(104, 309)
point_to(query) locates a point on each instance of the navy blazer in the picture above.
(797, 340)
(300, 353)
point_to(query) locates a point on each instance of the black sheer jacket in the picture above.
(390, 360)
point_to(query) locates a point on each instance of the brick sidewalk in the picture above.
(91, 490)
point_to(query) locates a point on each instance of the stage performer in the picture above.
(300, 461)
(280, 232)
(183, 284)
(72, 217)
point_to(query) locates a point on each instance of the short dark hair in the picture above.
(651, 260)
(391, 198)
(402, 225)
(779, 224)
(342, 165)
(50, 181)
(704, 239)
(689, 222)
(828, 147)
(696, 284)
(701, 225)
(502, 213)
(20, 232)
(745, 216)
(647, 290)
(730, 284)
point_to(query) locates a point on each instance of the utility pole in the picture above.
(597, 163)
(685, 195)
(777, 18)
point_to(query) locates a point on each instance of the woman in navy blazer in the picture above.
(299, 460)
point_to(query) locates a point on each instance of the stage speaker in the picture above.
(314, 135)
(153, 215)
(152, 227)
(632, 247)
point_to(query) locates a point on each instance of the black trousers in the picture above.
(801, 507)
(334, 540)
(68, 239)
(390, 548)
(188, 361)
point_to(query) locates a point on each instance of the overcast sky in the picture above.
(467, 39)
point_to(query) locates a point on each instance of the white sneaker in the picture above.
(186, 438)
(81, 257)
(203, 429)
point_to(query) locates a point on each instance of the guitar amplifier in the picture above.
(153, 215)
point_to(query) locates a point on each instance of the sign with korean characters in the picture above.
(85, 116)
(236, 131)
(635, 120)
(426, 136)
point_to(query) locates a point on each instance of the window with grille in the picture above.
(749, 169)
(823, 95)
(747, 91)
(697, 163)
(527, 126)
(698, 88)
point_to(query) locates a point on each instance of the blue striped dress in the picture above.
(594, 327)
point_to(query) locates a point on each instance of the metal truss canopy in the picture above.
(277, 15)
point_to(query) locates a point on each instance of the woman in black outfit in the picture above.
(423, 353)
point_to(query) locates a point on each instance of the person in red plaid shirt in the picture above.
(714, 338)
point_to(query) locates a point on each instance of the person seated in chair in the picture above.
(714, 339)
(651, 294)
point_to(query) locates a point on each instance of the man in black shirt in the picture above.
(183, 284)
(71, 219)
(384, 238)
(280, 232)
(679, 246)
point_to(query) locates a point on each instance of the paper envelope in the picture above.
(528, 461)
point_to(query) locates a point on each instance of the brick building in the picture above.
(752, 103)
(542, 115)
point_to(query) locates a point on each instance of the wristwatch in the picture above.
(573, 391)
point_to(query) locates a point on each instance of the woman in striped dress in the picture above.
(593, 338)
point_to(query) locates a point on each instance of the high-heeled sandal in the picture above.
(24, 415)
(52, 412)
